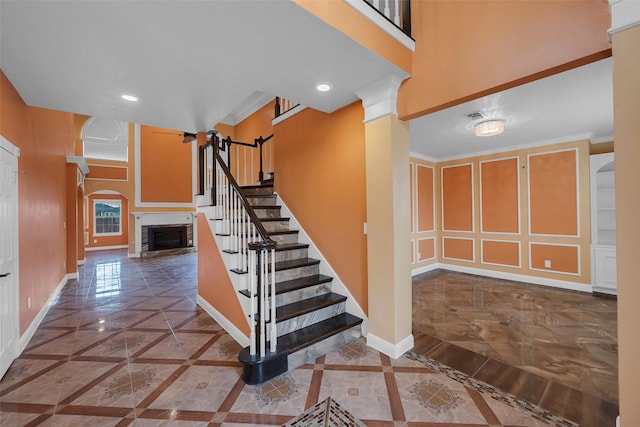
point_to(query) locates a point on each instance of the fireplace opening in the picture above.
(161, 238)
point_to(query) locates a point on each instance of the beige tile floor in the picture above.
(126, 344)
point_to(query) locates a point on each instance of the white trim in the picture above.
(413, 180)
(625, 14)
(138, 179)
(535, 280)
(425, 269)
(379, 99)
(414, 251)
(550, 270)
(81, 262)
(421, 156)
(473, 239)
(81, 162)
(392, 350)
(389, 28)
(7, 146)
(229, 327)
(256, 101)
(289, 113)
(433, 194)
(482, 230)
(418, 248)
(503, 241)
(338, 285)
(104, 248)
(512, 148)
(473, 198)
(577, 163)
(126, 168)
(35, 323)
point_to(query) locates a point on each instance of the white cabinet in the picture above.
(603, 223)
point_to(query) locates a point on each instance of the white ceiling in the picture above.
(196, 63)
(576, 104)
(190, 62)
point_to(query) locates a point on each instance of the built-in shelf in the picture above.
(603, 223)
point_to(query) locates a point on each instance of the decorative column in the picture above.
(625, 36)
(77, 169)
(388, 219)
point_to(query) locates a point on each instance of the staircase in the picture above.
(310, 319)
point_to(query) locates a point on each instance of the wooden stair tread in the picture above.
(296, 263)
(261, 196)
(308, 305)
(290, 246)
(266, 207)
(276, 232)
(256, 186)
(296, 284)
(305, 337)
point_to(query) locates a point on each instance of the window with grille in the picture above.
(107, 218)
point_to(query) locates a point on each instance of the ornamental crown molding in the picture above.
(379, 99)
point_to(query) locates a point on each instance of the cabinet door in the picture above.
(605, 270)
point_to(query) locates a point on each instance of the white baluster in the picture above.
(387, 12)
(396, 18)
(274, 334)
(376, 4)
(263, 301)
(241, 219)
(252, 298)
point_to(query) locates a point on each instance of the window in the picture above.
(105, 139)
(107, 217)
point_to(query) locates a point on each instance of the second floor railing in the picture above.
(396, 11)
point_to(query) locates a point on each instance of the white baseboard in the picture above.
(391, 350)
(105, 248)
(425, 269)
(231, 329)
(28, 334)
(536, 280)
(133, 255)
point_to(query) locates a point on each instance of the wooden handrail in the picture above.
(268, 242)
(258, 142)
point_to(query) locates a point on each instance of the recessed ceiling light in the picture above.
(323, 87)
(129, 97)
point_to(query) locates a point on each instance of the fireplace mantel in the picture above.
(160, 218)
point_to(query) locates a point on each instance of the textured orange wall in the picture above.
(458, 248)
(553, 197)
(426, 248)
(468, 49)
(165, 167)
(320, 175)
(45, 138)
(563, 258)
(499, 198)
(457, 198)
(99, 241)
(118, 173)
(425, 198)
(214, 285)
(503, 253)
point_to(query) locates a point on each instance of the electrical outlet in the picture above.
(547, 263)
(28, 302)
(365, 228)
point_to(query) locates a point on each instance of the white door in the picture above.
(9, 314)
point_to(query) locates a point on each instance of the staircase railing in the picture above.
(396, 11)
(282, 105)
(248, 240)
(259, 143)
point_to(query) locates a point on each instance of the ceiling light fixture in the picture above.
(129, 97)
(489, 128)
(323, 87)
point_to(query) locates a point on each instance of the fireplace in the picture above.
(172, 237)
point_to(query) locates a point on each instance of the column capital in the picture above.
(379, 99)
(624, 15)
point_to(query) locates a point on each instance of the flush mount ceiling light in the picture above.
(489, 128)
(129, 97)
(323, 87)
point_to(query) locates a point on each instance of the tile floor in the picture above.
(126, 344)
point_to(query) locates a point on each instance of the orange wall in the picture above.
(320, 175)
(214, 284)
(546, 186)
(165, 164)
(45, 138)
(468, 49)
(101, 241)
